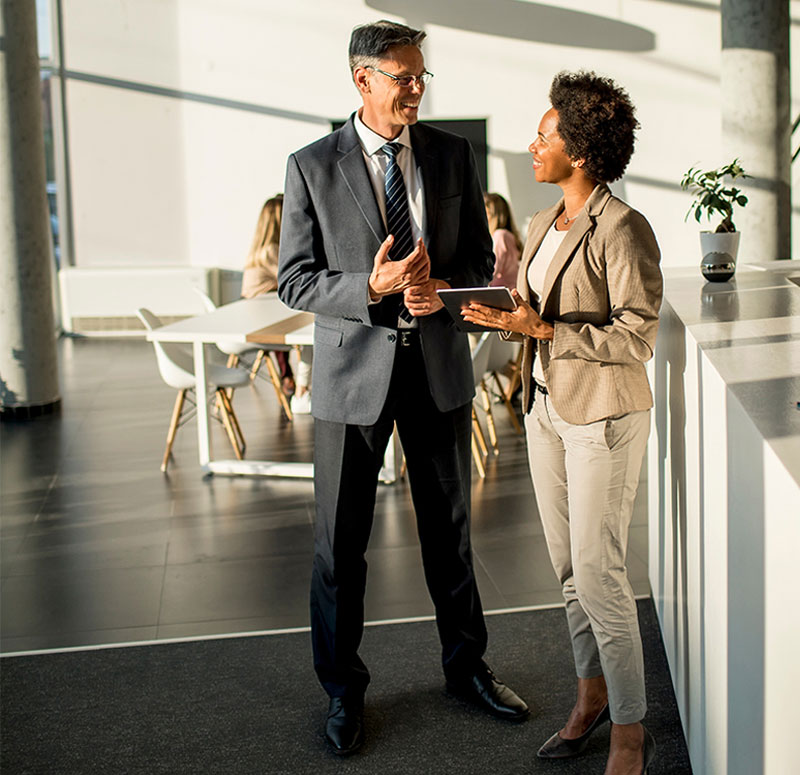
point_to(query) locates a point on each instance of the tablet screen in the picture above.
(456, 298)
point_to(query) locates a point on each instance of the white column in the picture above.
(756, 121)
(28, 359)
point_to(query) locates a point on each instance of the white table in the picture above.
(262, 320)
(724, 503)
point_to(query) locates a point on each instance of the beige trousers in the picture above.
(585, 478)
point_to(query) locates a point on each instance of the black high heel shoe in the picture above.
(558, 747)
(648, 750)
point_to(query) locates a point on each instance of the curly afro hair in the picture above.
(596, 121)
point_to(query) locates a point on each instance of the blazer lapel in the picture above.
(583, 224)
(354, 172)
(539, 226)
(565, 250)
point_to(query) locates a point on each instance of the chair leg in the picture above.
(478, 431)
(257, 365)
(515, 378)
(232, 363)
(477, 457)
(487, 408)
(276, 383)
(507, 401)
(226, 420)
(234, 421)
(173, 427)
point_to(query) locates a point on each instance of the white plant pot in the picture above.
(719, 254)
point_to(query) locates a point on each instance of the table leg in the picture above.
(389, 472)
(203, 429)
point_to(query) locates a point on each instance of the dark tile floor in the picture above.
(98, 546)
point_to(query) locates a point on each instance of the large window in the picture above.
(47, 67)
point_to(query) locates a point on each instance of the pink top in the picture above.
(507, 257)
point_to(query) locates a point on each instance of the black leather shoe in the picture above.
(558, 747)
(484, 690)
(649, 751)
(344, 729)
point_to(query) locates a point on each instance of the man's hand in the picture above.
(523, 320)
(395, 276)
(422, 299)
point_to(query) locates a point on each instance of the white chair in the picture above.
(236, 351)
(480, 361)
(505, 357)
(177, 369)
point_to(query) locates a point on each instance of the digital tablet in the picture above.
(454, 299)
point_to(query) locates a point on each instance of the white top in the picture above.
(537, 269)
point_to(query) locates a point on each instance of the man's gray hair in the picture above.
(370, 42)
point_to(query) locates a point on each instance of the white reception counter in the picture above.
(724, 513)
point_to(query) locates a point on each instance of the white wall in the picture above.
(179, 177)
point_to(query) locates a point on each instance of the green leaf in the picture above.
(711, 196)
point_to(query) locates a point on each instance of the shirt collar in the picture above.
(372, 142)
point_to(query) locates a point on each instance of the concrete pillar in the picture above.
(28, 358)
(756, 121)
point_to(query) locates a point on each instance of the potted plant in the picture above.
(712, 197)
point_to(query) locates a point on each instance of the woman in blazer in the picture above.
(589, 292)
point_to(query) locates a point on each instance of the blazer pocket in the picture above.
(329, 336)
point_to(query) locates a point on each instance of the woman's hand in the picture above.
(522, 320)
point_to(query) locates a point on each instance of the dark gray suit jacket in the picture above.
(331, 230)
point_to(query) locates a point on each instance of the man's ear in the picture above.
(361, 79)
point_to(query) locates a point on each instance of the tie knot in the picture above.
(392, 149)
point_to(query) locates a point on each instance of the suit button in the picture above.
(391, 337)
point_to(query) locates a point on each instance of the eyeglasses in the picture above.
(405, 81)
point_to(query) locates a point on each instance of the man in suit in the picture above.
(370, 232)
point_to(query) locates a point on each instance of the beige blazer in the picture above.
(602, 293)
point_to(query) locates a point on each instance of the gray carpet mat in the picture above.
(253, 705)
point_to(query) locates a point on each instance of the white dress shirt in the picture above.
(537, 269)
(376, 161)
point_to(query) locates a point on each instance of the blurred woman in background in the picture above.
(505, 240)
(261, 276)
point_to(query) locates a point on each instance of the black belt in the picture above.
(541, 388)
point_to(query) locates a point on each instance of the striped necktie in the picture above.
(398, 219)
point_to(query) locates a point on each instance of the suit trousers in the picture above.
(585, 479)
(347, 459)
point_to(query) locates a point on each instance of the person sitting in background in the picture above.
(506, 243)
(261, 270)
(261, 276)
